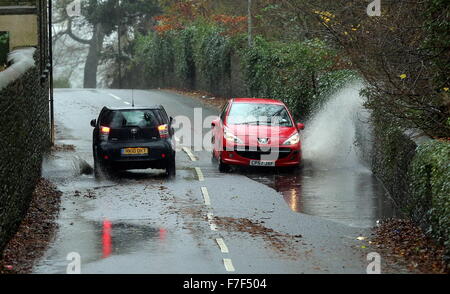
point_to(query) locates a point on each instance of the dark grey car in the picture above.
(133, 138)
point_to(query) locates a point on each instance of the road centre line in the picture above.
(201, 178)
(118, 98)
(206, 196)
(222, 245)
(228, 265)
(115, 97)
(189, 153)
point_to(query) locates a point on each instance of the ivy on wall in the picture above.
(430, 187)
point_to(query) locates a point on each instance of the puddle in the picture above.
(349, 196)
(119, 238)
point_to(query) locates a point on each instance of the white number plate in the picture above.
(262, 163)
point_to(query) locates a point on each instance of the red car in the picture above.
(256, 132)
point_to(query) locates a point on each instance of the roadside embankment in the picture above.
(35, 231)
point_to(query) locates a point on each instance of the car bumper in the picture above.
(158, 155)
(287, 156)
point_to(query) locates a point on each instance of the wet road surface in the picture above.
(247, 221)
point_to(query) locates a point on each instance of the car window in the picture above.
(259, 113)
(164, 115)
(132, 118)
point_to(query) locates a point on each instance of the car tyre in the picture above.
(100, 170)
(171, 169)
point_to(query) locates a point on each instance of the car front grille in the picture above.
(249, 153)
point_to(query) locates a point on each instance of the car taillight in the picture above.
(104, 133)
(105, 130)
(163, 131)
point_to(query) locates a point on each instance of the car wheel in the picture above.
(97, 166)
(100, 170)
(171, 169)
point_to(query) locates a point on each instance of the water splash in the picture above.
(329, 137)
(81, 166)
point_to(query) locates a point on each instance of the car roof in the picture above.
(160, 107)
(257, 100)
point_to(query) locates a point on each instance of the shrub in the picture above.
(430, 201)
(301, 74)
(156, 54)
(212, 51)
(61, 83)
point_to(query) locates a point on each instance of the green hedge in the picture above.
(430, 186)
(62, 83)
(199, 57)
(298, 73)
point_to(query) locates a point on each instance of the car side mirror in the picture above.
(93, 123)
(171, 120)
(300, 126)
(213, 124)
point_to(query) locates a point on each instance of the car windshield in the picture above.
(133, 118)
(259, 114)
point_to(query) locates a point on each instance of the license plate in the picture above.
(262, 163)
(134, 151)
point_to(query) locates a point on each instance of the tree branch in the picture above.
(73, 36)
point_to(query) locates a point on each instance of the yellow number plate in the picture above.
(135, 151)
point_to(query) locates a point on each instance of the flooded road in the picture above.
(349, 196)
(203, 221)
(334, 182)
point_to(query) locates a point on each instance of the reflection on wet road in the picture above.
(350, 196)
(122, 237)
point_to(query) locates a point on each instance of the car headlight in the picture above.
(293, 140)
(229, 136)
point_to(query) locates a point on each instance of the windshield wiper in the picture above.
(251, 122)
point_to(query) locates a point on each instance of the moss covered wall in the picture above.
(416, 176)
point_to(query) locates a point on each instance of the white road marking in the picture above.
(206, 196)
(201, 178)
(127, 103)
(212, 225)
(228, 265)
(114, 96)
(222, 245)
(189, 153)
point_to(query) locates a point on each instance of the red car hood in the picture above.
(251, 133)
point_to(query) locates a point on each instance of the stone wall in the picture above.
(415, 171)
(24, 138)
